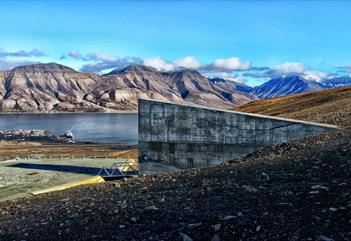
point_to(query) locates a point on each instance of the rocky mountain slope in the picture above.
(326, 106)
(122, 88)
(286, 86)
(45, 87)
(54, 88)
(295, 191)
(227, 84)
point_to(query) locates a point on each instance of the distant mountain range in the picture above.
(337, 82)
(57, 88)
(283, 86)
(295, 85)
(286, 86)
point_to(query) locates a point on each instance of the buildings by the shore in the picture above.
(35, 135)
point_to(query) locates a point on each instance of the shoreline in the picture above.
(48, 137)
(77, 143)
(82, 112)
(12, 149)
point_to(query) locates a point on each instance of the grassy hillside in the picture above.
(326, 106)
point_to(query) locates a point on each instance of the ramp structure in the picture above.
(186, 136)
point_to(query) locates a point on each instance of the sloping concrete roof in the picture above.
(248, 114)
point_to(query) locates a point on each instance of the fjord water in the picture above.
(93, 127)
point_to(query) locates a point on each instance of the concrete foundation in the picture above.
(189, 136)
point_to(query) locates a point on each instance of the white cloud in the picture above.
(230, 64)
(21, 53)
(11, 59)
(222, 67)
(219, 65)
(315, 75)
(101, 62)
(99, 56)
(103, 66)
(75, 54)
(159, 64)
(289, 68)
(187, 62)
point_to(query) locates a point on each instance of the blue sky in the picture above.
(250, 41)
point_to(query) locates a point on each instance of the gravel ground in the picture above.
(295, 191)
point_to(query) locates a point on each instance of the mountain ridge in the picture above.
(50, 67)
(337, 82)
(286, 86)
(53, 87)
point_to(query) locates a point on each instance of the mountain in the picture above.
(56, 88)
(198, 89)
(286, 86)
(240, 87)
(44, 87)
(123, 87)
(326, 106)
(337, 82)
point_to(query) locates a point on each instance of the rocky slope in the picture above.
(326, 106)
(54, 88)
(226, 84)
(294, 191)
(122, 88)
(44, 88)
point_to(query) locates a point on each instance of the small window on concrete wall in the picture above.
(156, 146)
(219, 148)
(190, 148)
(171, 148)
(190, 162)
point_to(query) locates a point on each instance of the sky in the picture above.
(248, 41)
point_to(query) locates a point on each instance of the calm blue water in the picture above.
(96, 127)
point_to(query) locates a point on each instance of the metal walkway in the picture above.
(118, 170)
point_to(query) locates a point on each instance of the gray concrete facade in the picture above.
(190, 136)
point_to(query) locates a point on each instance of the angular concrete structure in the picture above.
(185, 136)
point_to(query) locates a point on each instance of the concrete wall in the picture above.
(188, 136)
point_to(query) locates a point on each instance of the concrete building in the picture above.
(184, 136)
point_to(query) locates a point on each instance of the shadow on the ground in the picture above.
(59, 168)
